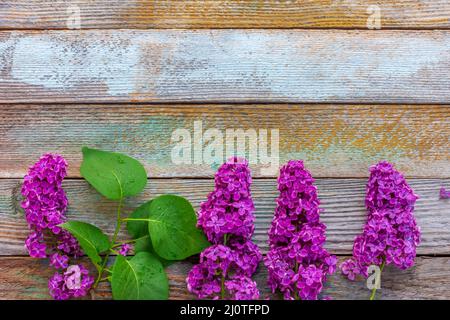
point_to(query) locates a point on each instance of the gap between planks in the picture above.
(210, 14)
(26, 278)
(342, 201)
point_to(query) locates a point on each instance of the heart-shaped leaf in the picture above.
(114, 175)
(139, 278)
(91, 239)
(172, 227)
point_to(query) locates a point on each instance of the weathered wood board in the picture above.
(342, 199)
(118, 14)
(132, 72)
(26, 278)
(225, 66)
(333, 140)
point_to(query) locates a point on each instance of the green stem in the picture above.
(114, 251)
(222, 283)
(129, 241)
(140, 219)
(116, 233)
(296, 297)
(374, 290)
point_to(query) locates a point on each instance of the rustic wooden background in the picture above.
(342, 96)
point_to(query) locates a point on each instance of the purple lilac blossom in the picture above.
(124, 249)
(74, 282)
(225, 268)
(45, 204)
(444, 194)
(68, 244)
(59, 261)
(229, 208)
(297, 263)
(391, 234)
(35, 245)
(45, 200)
(242, 288)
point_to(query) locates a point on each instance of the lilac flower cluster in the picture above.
(391, 234)
(229, 208)
(75, 282)
(298, 264)
(45, 204)
(225, 268)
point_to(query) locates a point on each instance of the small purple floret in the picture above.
(444, 194)
(125, 249)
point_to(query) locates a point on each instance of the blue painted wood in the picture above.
(225, 66)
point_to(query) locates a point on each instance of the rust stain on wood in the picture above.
(334, 140)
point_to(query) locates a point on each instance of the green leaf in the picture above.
(114, 175)
(91, 239)
(139, 230)
(172, 228)
(139, 278)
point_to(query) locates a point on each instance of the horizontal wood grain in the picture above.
(26, 278)
(398, 14)
(225, 66)
(334, 140)
(342, 199)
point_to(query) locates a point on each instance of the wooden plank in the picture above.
(342, 199)
(334, 140)
(26, 278)
(334, 66)
(399, 14)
